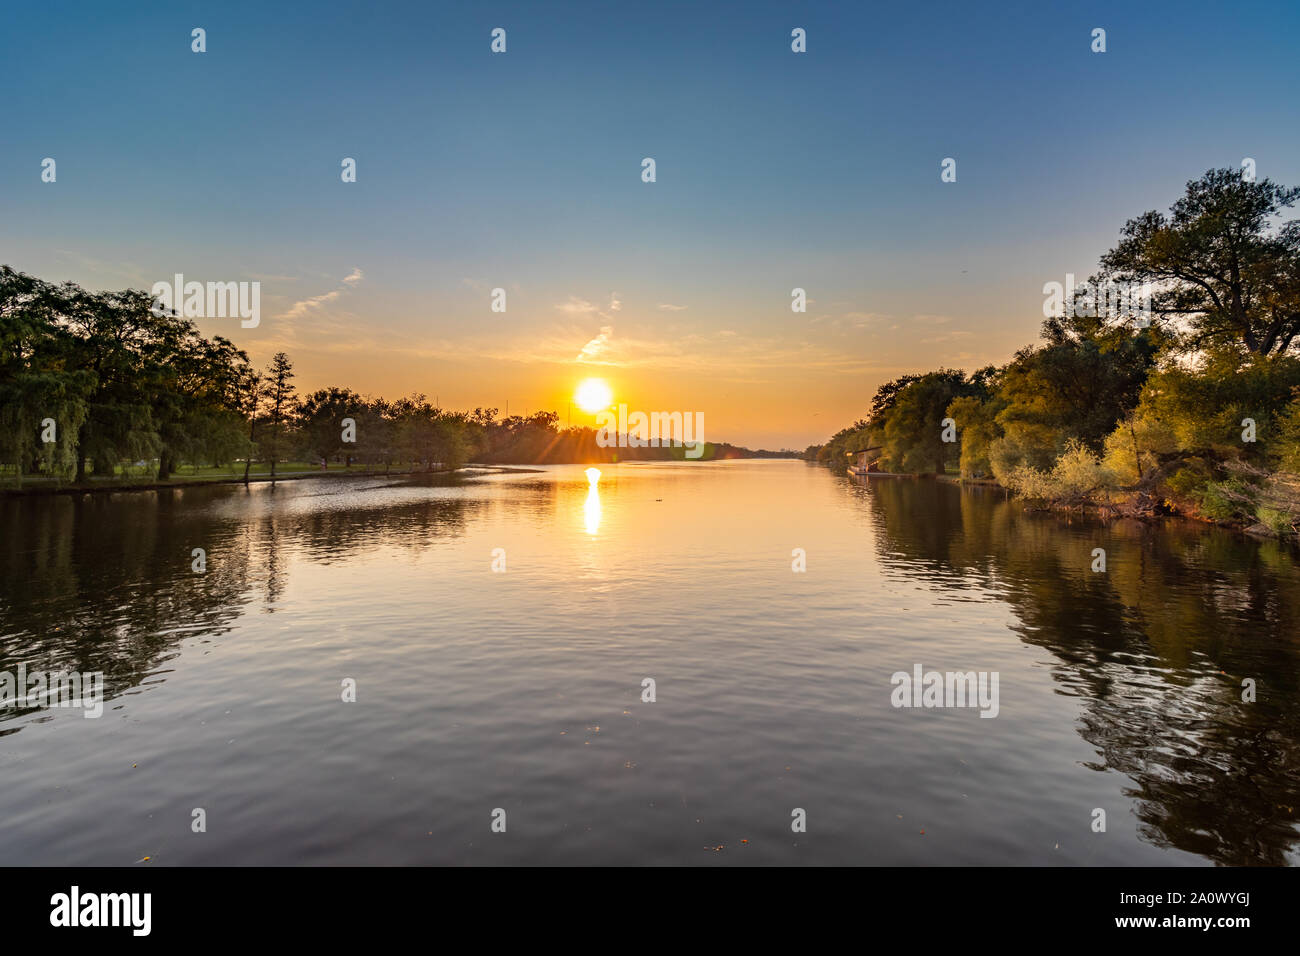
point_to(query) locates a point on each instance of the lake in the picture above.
(520, 688)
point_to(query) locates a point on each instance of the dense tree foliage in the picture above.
(1218, 262)
(1196, 411)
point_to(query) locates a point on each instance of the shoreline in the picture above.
(1102, 511)
(153, 484)
(41, 487)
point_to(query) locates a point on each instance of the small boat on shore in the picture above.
(866, 463)
(875, 473)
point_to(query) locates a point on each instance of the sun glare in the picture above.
(593, 395)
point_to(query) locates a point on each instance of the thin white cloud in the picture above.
(669, 307)
(598, 347)
(576, 306)
(303, 306)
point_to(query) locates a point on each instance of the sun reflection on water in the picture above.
(591, 509)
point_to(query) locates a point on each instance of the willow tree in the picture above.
(42, 404)
(108, 335)
(195, 396)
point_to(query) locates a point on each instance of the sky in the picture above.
(523, 171)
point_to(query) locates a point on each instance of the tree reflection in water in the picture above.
(1156, 648)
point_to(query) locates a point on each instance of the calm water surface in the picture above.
(522, 690)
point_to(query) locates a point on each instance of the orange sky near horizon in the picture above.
(788, 388)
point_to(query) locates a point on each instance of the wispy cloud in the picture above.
(304, 306)
(598, 347)
(576, 306)
(669, 307)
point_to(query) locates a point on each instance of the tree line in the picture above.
(1193, 407)
(97, 385)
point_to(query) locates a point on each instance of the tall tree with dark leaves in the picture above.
(1219, 263)
(281, 400)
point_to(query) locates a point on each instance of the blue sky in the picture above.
(522, 170)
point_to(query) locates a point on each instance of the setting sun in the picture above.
(593, 395)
